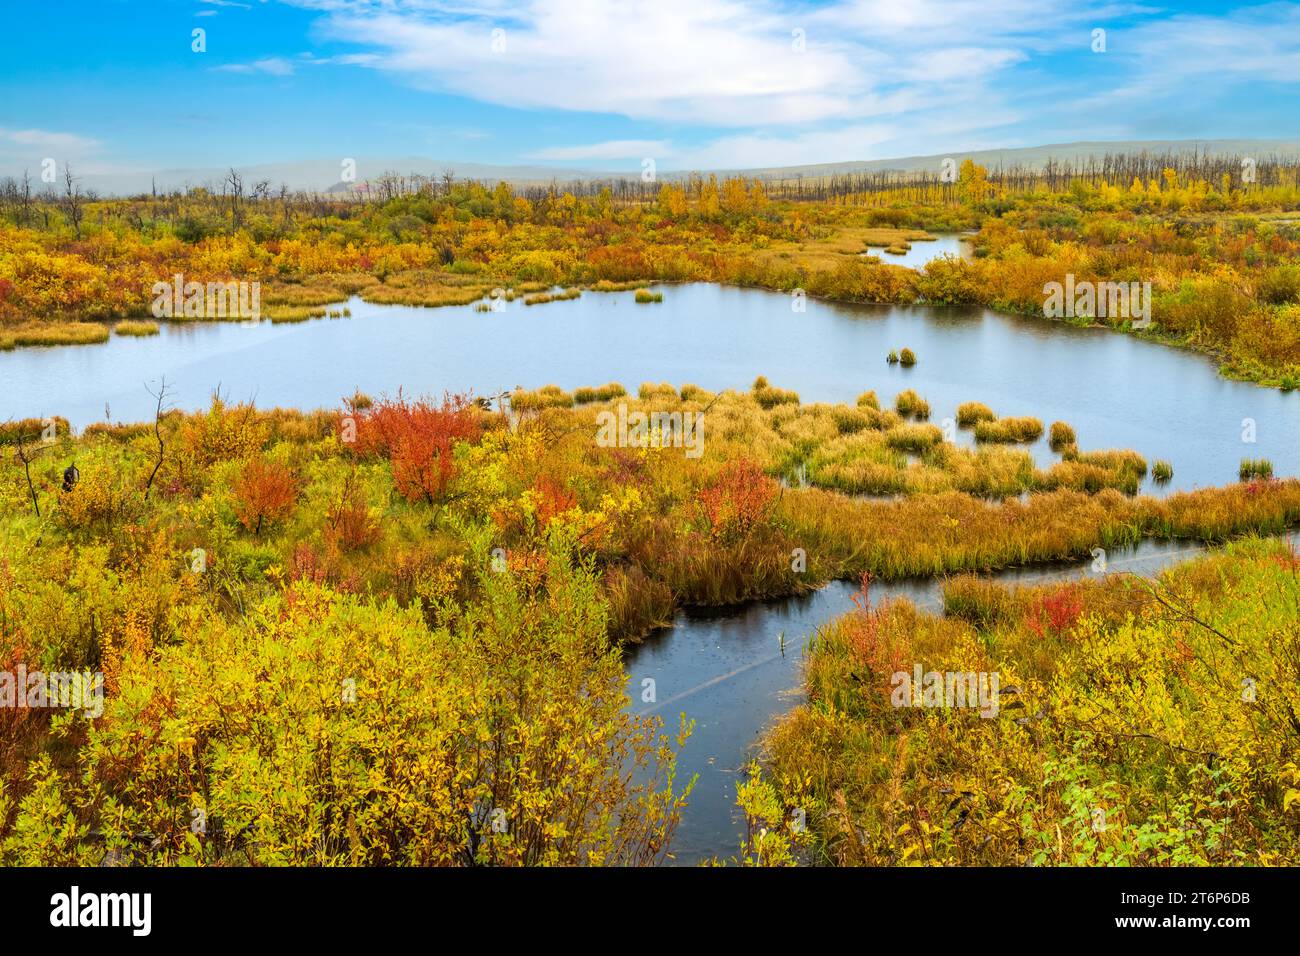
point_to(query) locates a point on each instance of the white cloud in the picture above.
(873, 77)
(610, 149)
(53, 142)
(272, 65)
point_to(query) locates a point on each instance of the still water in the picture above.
(922, 252)
(735, 672)
(1117, 391)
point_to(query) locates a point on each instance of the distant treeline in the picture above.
(941, 184)
(26, 202)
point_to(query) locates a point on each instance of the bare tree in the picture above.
(73, 199)
(236, 184)
(161, 408)
(25, 199)
(27, 454)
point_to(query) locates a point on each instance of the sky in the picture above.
(119, 85)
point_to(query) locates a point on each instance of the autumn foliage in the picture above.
(417, 437)
(738, 500)
(265, 492)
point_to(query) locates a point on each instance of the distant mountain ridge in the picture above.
(328, 176)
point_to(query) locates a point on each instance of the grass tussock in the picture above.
(601, 393)
(51, 333)
(769, 397)
(972, 413)
(911, 405)
(135, 328)
(548, 396)
(1254, 469)
(1009, 430)
(1061, 435)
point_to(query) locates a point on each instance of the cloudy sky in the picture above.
(116, 85)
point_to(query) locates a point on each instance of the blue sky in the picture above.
(114, 86)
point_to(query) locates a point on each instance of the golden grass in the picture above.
(281, 314)
(663, 391)
(541, 298)
(52, 333)
(602, 393)
(1061, 435)
(911, 405)
(431, 296)
(1009, 430)
(548, 396)
(136, 328)
(972, 413)
(886, 237)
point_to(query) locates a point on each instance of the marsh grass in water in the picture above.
(911, 405)
(52, 333)
(1061, 436)
(1185, 769)
(136, 328)
(1009, 430)
(971, 413)
(1255, 468)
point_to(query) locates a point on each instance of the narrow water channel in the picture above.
(736, 671)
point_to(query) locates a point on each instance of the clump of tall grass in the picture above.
(892, 357)
(981, 602)
(693, 393)
(907, 358)
(360, 401)
(52, 333)
(609, 285)
(645, 296)
(1255, 468)
(281, 314)
(768, 396)
(1008, 430)
(1116, 459)
(541, 298)
(851, 420)
(663, 392)
(914, 438)
(136, 329)
(1061, 435)
(1089, 477)
(548, 396)
(1162, 471)
(424, 291)
(600, 393)
(972, 413)
(911, 405)
(869, 400)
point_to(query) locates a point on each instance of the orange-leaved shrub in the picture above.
(417, 437)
